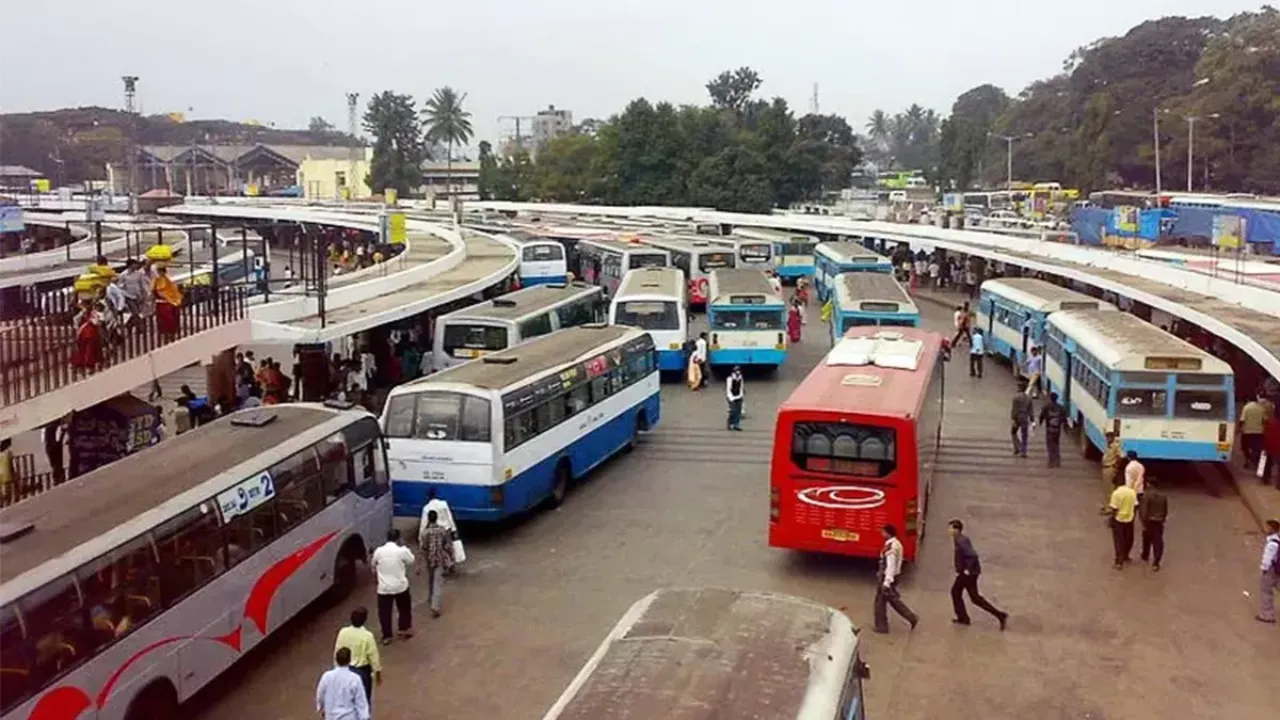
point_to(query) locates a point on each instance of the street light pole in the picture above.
(1155, 135)
(1008, 139)
(1191, 143)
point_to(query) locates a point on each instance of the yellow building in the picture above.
(323, 176)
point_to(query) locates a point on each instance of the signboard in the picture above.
(246, 496)
(11, 219)
(390, 197)
(1228, 231)
(1126, 218)
(95, 209)
(953, 202)
(393, 231)
(40, 185)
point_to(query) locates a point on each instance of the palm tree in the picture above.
(878, 126)
(446, 122)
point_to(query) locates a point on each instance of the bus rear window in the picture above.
(648, 314)
(644, 260)
(710, 261)
(844, 448)
(540, 253)
(443, 416)
(755, 253)
(459, 339)
(1200, 404)
(746, 320)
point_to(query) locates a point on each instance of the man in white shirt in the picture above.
(775, 283)
(340, 693)
(887, 587)
(1135, 474)
(734, 393)
(444, 518)
(700, 357)
(1270, 568)
(391, 563)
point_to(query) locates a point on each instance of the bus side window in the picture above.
(299, 489)
(58, 637)
(334, 468)
(248, 533)
(362, 471)
(121, 590)
(15, 662)
(191, 552)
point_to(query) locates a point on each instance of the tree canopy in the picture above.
(398, 148)
(738, 153)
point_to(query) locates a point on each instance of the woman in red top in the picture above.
(1271, 446)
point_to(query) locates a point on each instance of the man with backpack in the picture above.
(1053, 416)
(1270, 574)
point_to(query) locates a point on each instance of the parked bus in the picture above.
(542, 260)
(792, 252)
(718, 653)
(832, 258)
(696, 257)
(747, 320)
(603, 262)
(501, 435)
(126, 590)
(513, 318)
(856, 445)
(869, 299)
(752, 254)
(1163, 397)
(653, 299)
(1012, 314)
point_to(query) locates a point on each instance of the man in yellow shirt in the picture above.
(365, 660)
(1124, 502)
(8, 476)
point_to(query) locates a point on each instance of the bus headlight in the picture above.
(674, 346)
(496, 496)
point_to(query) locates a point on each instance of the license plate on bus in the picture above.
(840, 535)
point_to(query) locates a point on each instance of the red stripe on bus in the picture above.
(64, 703)
(258, 604)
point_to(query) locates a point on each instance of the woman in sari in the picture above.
(88, 353)
(793, 321)
(168, 300)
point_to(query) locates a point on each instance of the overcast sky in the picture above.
(283, 61)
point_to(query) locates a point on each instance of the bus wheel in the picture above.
(561, 487)
(344, 569)
(1087, 450)
(640, 425)
(159, 701)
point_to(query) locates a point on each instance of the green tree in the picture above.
(488, 171)
(832, 140)
(735, 179)
(564, 168)
(515, 179)
(398, 151)
(732, 90)
(448, 123)
(319, 126)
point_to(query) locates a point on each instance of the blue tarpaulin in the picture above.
(1262, 227)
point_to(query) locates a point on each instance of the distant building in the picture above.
(325, 177)
(465, 181)
(211, 169)
(551, 123)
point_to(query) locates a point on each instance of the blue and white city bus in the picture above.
(1164, 398)
(510, 319)
(832, 258)
(748, 321)
(792, 252)
(654, 299)
(752, 254)
(514, 429)
(1012, 313)
(542, 259)
(870, 298)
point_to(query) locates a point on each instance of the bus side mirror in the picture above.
(863, 670)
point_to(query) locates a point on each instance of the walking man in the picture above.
(1135, 474)
(968, 568)
(1270, 574)
(1253, 421)
(1124, 502)
(1154, 510)
(1035, 368)
(1053, 416)
(887, 585)
(365, 658)
(1020, 413)
(962, 320)
(977, 351)
(340, 694)
(733, 391)
(700, 357)
(436, 542)
(391, 563)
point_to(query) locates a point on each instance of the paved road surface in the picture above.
(690, 507)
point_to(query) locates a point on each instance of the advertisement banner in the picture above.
(1126, 219)
(953, 202)
(95, 209)
(11, 219)
(1228, 231)
(390, 197)
(393, 231)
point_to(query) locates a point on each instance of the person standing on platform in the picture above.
(1020, 414)
(1153, 510)
(363, 646)
(734, 392)
(1270, 568)
(700, 357)
(1121, 508)
(391, 563)
(1053, 417)
(1111, 459)
(968, 568)
(977, 352)
(1253, 421)
(1271, 449)
(340, 694)
(887, 582)
(1135, 474)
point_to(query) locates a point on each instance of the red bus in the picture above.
(857, 443)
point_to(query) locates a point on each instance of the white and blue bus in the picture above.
(752, 254)
(792, 252)
(748, 320)
(697, 257)
(866, 298)
(654, 299)
(513, 318)
(510, 431)
(1164, 398)
(603, 262)
(542, 259)
(1012, 313)
(832, 258)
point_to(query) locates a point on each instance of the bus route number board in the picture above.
(246, 496)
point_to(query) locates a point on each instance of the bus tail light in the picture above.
(780, 341)
(775, 510)
(715, 341)
(496, 496)
(1115, 427)
(1222, 432)
(912, 522)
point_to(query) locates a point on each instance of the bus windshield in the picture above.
(755, 252)
(710, 261)
(746, 320)
(539, 253)
(465, 340)
(797, 248)
(841, 448)
(644, 260)
(445, 416)
(648, 314)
